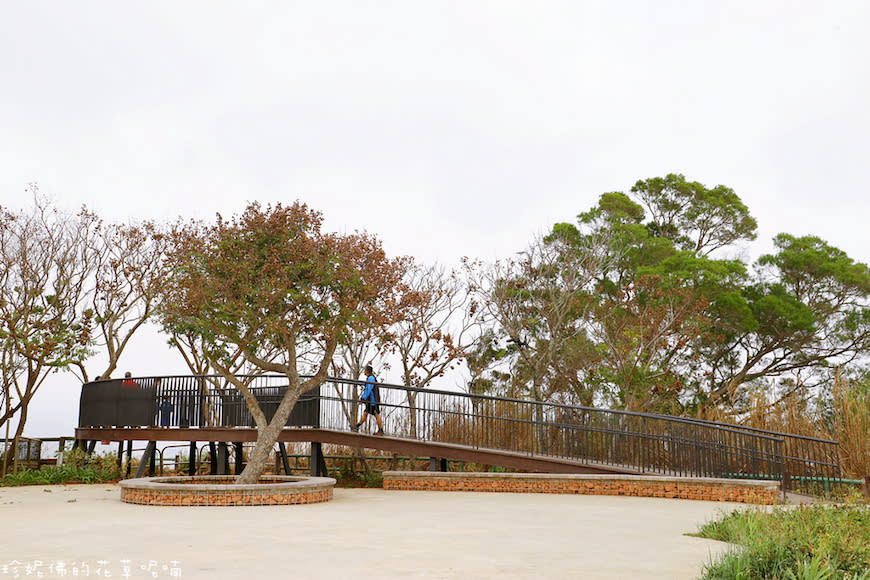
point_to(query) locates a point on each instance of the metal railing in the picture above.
(645, 443)
(813, 463)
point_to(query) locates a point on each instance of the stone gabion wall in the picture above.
(741, 491)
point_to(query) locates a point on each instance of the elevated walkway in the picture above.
(520, 434)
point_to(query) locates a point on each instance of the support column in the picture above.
(240, 458)
(317, 462)
(147, 459)
(212, 453)
(120, 455)
(437, 464)
(192, 455)
(222, 458)
(129, 457)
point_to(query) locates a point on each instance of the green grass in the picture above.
(817, 542)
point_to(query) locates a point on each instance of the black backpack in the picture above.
(376, 392)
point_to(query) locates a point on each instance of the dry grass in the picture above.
(851, 427)
(846, 420)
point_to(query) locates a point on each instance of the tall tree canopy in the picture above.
(671, 321)
(807, 309)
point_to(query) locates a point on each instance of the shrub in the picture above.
(77, 467)
(805, 542)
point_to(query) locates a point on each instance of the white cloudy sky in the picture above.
(447, 128)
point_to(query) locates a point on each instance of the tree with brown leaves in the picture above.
(129, 270)
(45, 325)
(440, 321)
(270, 282)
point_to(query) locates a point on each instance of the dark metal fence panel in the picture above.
(188, 401)
(127, 403)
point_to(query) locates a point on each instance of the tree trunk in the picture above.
(22, 418)
(7, 417)
(267, 437)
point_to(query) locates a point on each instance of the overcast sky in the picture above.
(446, 128)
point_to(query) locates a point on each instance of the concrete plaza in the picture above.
(86, 531)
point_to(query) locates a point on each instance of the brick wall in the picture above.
(742, 491)
(193, 498)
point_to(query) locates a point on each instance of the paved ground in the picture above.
(361, 533)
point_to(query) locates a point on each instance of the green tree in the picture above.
(693, 217)
(657, 298)
(717, 327)
(807, 309)
(270, 283)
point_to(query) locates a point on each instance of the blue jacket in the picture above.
(369, 392)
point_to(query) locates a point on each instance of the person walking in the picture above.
(371, 398)
(165, 410)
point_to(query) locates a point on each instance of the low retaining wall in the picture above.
(743, 491)
(219, 490)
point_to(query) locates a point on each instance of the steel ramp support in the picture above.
(282, 449)
(317, 461)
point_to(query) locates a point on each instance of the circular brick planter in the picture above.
(219, 490)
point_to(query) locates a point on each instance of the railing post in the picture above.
(783, 461)
(317, 409)
(203, 402)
